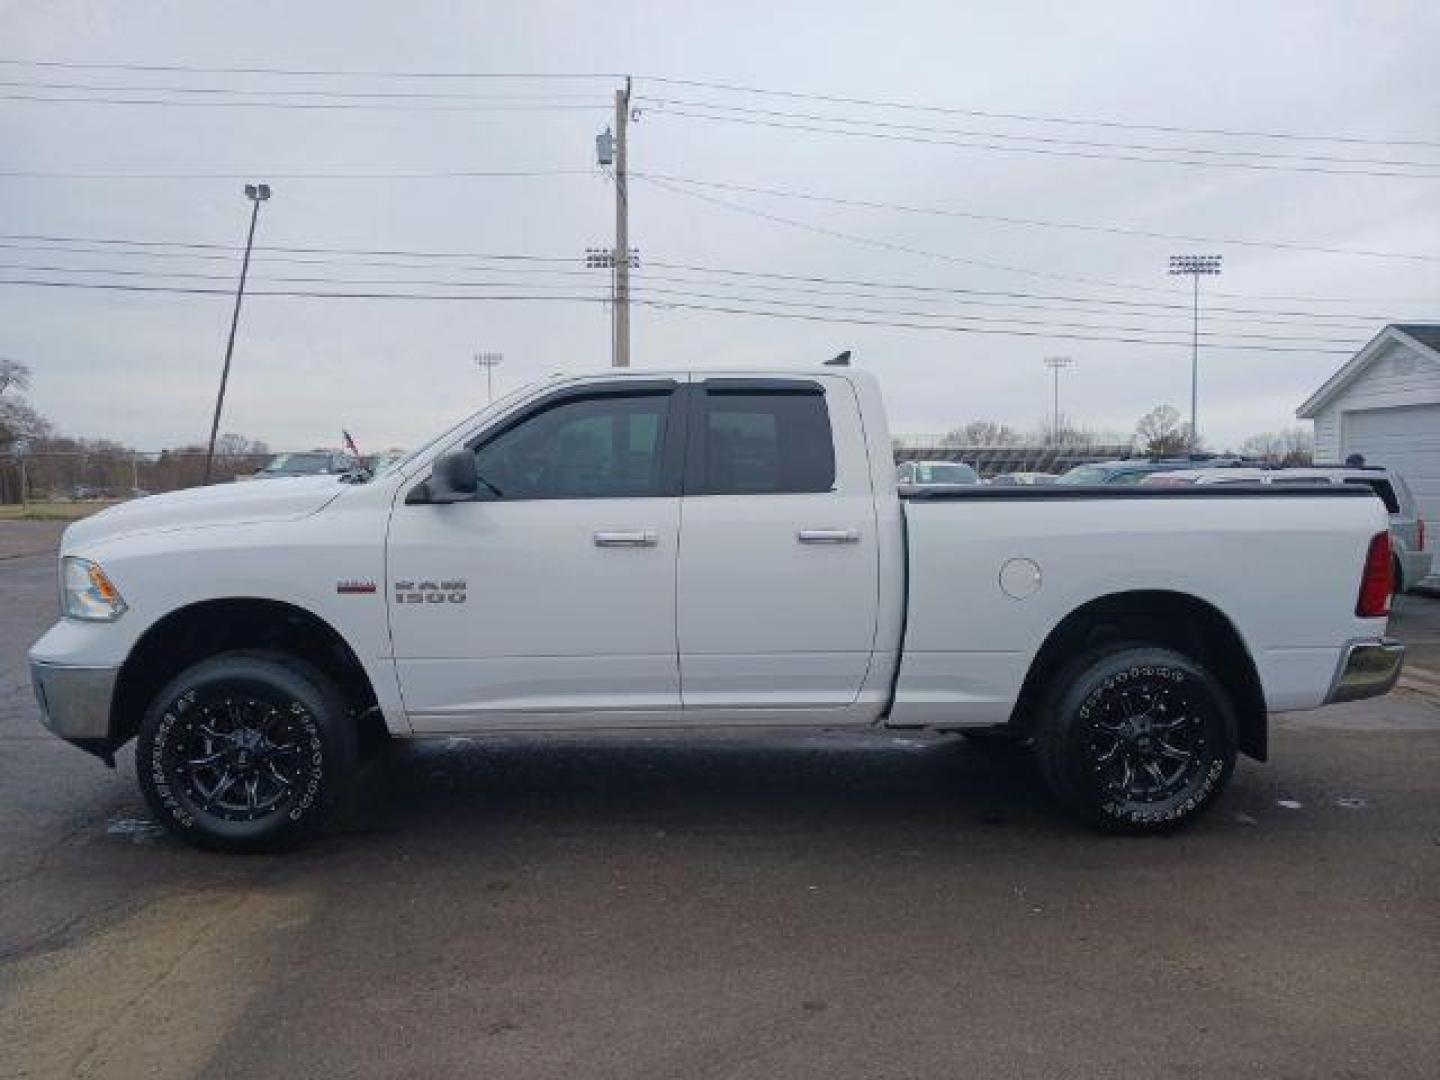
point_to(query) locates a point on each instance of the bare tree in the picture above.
(1289, 446)
(13, 373)
(233, 445)
(1160, 432)
(982, 433)
(19, 422)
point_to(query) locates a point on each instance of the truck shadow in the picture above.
(763, 784)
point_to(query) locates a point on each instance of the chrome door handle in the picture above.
(829, 536)
(627, 538)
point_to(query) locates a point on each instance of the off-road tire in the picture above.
(1135, 738)
(245, 751)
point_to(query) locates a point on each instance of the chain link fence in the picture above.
(990, 461)
(85, 476)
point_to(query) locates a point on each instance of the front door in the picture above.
(549, 599)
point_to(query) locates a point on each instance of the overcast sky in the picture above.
(143, 366)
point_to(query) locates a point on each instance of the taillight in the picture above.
(1376, 583)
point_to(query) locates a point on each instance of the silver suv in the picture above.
(1407, 527)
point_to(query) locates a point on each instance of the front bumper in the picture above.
(1368, 668)
(75, 702)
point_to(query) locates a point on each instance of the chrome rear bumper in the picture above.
(1368, 668)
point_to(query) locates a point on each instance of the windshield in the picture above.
(1085, 474)
(302, 464)
(945, 474)
(450, 432)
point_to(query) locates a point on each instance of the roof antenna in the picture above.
(843, 360)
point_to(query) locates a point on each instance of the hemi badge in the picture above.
(355, 586)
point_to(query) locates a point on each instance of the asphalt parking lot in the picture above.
(825, 907)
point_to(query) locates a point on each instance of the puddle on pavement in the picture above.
(136, 830)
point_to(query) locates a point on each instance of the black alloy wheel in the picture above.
(1138, 738)
(245, 751)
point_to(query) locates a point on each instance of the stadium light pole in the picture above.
(488, 362)
(1057, 364)
(256, 193)
(1194, 266)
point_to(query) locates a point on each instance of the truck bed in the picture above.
(1064, 492)
(992, 572)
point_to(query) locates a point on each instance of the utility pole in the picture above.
(622, 230)
(1194, 266)
(489, 361)
(256, 193)
(612, 151)
(1057, 364)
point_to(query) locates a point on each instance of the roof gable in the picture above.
(1422, 338)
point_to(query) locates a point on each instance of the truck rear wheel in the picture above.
(245, 751)
(1137, 739)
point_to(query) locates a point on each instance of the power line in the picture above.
(195, 275)
(887, 245)
(974, 330)
(437, 174)
(1031, 222)
(1044, 151)
(75, 65)
(1133, 310)
(727, 87)
(289, 249)
(909, 250)
(99, 93)
(131, 247)
(954, 296)
(302, 92)
(662, 304)
(1048, 139)
(1037, 118)
(812, 305)
(769, 297)
(10, 95)
(1118, 230)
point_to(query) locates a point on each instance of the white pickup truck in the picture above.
(697, 550)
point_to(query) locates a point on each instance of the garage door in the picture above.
(1408, 441)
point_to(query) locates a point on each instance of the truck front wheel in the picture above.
(245, 751)
(1137, 739)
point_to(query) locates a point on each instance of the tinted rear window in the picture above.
(766, 443)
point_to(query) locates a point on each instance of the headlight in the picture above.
(86, 593)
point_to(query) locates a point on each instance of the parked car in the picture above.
(1134, 470)
(310, 463)
(935, 474)
(1023, 479)
(1206, 477)
(701, 551)
(1412, 555)
(379, 463)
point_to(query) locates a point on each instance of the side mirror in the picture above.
(452, 479)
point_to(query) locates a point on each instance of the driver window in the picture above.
(606, 447)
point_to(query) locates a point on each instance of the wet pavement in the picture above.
(818, 907)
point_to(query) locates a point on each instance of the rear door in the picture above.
(778, 572)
